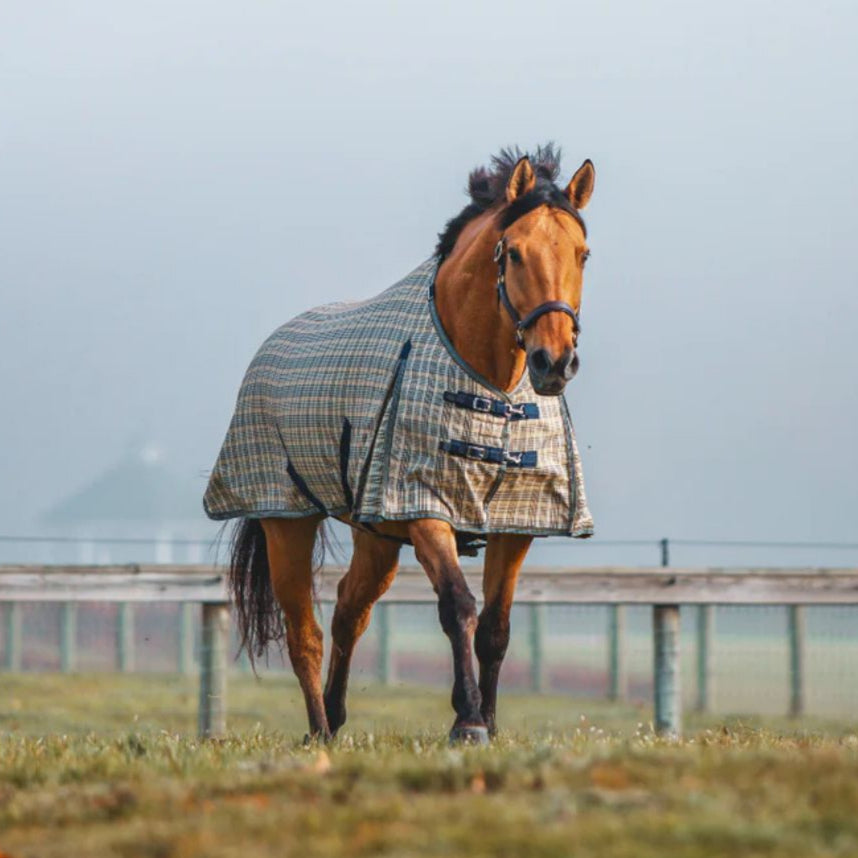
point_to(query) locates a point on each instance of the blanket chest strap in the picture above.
(495, 407)
(492, 455)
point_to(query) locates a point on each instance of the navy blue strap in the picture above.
(492, 455)
(345, 452)
(302, 487)
(495, 407)
(550, 307)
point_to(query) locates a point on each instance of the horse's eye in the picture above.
(514, 255)
(584, 257)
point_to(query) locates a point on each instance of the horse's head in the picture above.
(541, 257)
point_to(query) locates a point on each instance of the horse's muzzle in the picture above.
(548, 376)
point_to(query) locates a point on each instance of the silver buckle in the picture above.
(481, 403)
(499, 249)
(474, 452)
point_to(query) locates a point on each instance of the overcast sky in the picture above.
(179, 178)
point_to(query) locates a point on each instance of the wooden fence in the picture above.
(664, 588)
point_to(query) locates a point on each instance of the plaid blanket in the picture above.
(366, 409)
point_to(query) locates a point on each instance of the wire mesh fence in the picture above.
(735, 659)
(574, 650)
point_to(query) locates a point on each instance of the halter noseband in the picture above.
(521, 325)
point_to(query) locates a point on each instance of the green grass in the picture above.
(109, 766)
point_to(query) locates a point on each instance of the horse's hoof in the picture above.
(469, 735)
(319, 738)
(491, 727)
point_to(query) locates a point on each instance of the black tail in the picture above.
(260, 620)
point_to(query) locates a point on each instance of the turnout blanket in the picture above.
(366, 410)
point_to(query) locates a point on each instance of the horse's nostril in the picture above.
(571, 366)
(567, 360)
(540, 361)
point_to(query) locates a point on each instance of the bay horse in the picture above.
(507, 294)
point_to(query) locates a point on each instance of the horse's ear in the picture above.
(522, 180)
(580, 189)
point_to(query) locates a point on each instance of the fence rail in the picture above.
(600, 585)
(665, 588)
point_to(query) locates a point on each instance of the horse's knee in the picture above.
(457, 608)
(492, 637)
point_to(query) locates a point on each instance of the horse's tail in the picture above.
(260, 620)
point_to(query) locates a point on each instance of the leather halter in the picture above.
(521, 325)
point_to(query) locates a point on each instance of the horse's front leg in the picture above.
(371, 572)
(435, 547)
(505, 553)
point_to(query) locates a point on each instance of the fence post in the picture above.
(68, 637)
(797, 635)
(186, 638)
(385, 666)
(213, 662)
(617, 677)
(13, 637)
(538, 672)
(125, 636)
(666, 687)
(705, 634)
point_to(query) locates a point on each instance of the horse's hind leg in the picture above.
(435, 545)
(371, 572)
(289, 543)
(504, 555)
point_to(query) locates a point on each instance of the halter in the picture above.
(521, 325)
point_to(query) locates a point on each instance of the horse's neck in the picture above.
(472, 317)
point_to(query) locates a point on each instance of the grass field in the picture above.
(109, 766)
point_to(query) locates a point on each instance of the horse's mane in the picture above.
(487, 188)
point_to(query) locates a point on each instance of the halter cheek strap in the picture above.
(521, 325)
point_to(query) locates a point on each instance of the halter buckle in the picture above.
(500, 247)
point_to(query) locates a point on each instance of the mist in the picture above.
(180, 179)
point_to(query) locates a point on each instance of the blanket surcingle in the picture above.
(366, 410)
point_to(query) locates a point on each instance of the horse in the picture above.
(504, 290)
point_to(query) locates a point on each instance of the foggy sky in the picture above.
(179, 178)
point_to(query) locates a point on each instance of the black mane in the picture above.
(487, 188)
